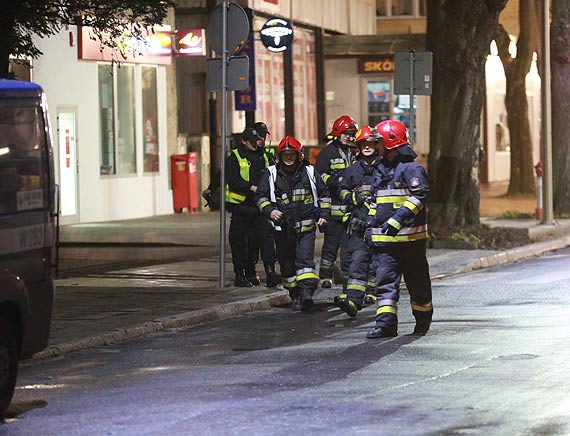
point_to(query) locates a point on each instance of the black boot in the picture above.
(382, 332)
(306, 299)
(272, 278)
(251, 276)
(241, 281)
(295, 300)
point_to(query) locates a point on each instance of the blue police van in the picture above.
(28, 229)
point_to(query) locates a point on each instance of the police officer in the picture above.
(330, 164)
(355, 192)
(244, 167)
(264, 233)
(398, 233)
(296, 200)
(264, 132)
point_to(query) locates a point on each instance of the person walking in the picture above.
(293, 195)
(331, 163)
(244, 167)
(360, 284)
(397, 232)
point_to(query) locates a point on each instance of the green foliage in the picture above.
(515, 215)
(465, 238)
(21, 21)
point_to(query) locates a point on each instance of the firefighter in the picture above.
(398, 233)
(330, 164)
(355, 192)
(244, 167)
(292, 194)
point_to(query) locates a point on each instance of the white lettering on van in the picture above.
(31, 237)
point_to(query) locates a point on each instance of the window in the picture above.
(22, 159)
(150, 119)
(117, 119)
(107, 119)
(401, 8)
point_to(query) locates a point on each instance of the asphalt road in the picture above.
(495, 363)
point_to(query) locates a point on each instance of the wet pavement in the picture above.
(125, 279)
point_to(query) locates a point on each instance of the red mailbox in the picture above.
(184, 181)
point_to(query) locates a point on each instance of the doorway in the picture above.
(68, 164)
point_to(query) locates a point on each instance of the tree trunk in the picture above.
(459, 34)
(516, 70)
(560, 41)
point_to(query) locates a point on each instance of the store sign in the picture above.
(191, 42)
(154, 48)
(276, 35)
(377, 64)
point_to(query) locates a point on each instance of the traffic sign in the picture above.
(276, 35)
(418, 63)
(238, 28)
(237, 70)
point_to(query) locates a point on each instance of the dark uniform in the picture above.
(330, 164)
(398, 234)
(250, 231)
(354, 189)
(295, 234)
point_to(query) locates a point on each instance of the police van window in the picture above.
(22, 159)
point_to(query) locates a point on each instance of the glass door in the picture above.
(67, 148)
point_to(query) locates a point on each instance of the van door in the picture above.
(68, 164)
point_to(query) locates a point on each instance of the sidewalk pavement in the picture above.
(175, 284)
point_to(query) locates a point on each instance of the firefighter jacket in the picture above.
(354, 188)
(244, 168)
(401, 192)
(294, 195)
(330, 164)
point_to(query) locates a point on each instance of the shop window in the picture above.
(126, 111)
(150, 119)
(379, 99)
(118, 145)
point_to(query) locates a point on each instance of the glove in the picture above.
(389, 229)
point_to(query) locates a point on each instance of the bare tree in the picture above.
(560, 62)
(459, 34)
(21, 20)
(516, 69)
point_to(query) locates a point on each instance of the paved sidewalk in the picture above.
(178, 287)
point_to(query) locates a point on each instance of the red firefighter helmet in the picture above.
(394, 134)
(344, 124)
(367, 133)
(290, 143)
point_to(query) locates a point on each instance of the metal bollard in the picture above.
(539, 211)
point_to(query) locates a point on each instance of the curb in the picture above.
(228, 310)
(186, 319)
(510, 256)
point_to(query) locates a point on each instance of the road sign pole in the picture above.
(225, 55)
(412, 114)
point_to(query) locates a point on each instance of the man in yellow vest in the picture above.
(244, 167)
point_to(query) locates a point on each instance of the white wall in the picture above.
(343, 81)
(70, 82)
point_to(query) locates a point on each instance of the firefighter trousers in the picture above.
(407, 259)
(361, 277)
(335, 238)
(296, 254)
